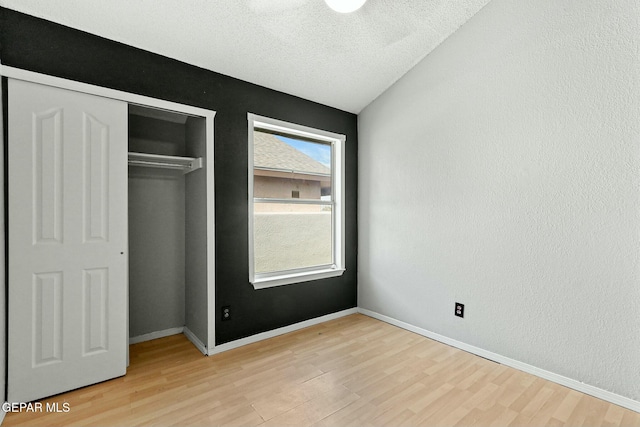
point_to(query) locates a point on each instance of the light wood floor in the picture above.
(354, 371)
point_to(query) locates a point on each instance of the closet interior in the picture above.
(167, 225)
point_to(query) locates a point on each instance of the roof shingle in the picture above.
(272, 153)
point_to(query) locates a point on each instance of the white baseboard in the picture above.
(556, 378)
(284, 330)
(168, 332)
(154, 335)
(2, 414)
(195, 340)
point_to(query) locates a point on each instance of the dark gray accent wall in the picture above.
(34, 44)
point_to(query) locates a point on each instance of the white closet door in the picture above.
(67, 240)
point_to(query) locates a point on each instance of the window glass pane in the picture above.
(289, 236)
(286, 168)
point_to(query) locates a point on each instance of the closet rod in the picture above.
(187, 164)
(155, 164)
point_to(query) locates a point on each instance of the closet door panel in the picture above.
(67, 183)
(47, 169)
(47, 294)
(96, 179)
(95, 324)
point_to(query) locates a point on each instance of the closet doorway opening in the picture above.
(68, 255)
(168, 226)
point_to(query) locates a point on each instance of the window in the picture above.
(296, 205)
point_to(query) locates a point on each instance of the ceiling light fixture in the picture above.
(345, 6)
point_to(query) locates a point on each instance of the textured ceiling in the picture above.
(299, 47)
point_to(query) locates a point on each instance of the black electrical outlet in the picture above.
(226, 313)
(459, 310)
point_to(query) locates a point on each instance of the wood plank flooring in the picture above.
(353, 371)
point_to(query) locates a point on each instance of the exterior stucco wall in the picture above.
(264, 186)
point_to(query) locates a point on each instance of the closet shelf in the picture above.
(186, 164)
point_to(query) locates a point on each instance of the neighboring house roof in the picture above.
(269, 152)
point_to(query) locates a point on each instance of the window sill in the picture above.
(287, 279)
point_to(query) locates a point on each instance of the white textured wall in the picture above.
(503, 172)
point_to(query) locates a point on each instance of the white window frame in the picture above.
(337, 141)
